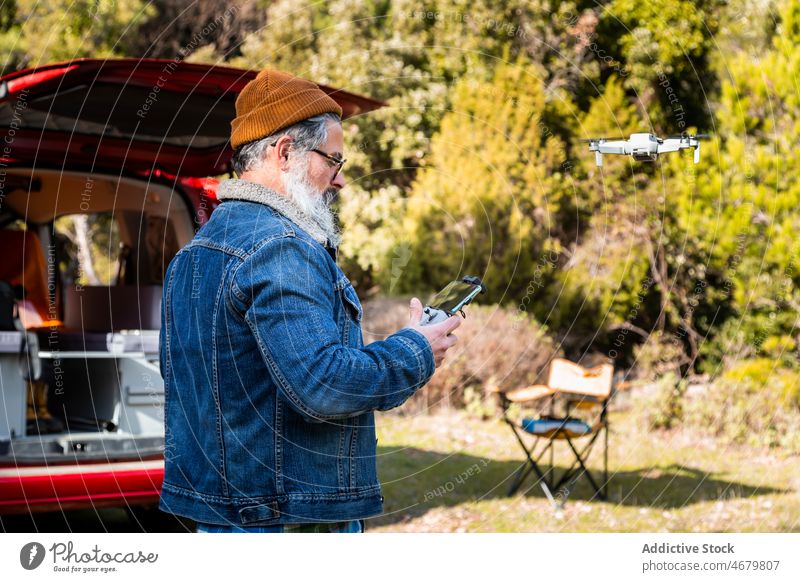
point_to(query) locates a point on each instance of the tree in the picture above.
(731, 239)
(69, 29)
(214, 27)
(603, 286)
(665, 47)
(492, 198)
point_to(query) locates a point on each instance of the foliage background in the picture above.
(478, 164)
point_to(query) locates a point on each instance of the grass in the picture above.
(450, 472)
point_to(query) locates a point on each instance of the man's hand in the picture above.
(439, 335)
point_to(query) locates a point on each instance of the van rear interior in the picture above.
(94, 347)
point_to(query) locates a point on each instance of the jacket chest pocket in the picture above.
(352, 313)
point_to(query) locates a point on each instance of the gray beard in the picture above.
(315, 205)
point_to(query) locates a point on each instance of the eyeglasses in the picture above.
(335, 162)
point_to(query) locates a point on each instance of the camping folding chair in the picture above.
(579, 388)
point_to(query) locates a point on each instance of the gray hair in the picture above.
(306, 135)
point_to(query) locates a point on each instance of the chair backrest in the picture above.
(566, 376)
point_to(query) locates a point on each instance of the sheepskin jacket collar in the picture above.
(236, 189)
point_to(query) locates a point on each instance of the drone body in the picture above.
(644, 147)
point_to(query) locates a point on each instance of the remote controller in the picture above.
(451, 300)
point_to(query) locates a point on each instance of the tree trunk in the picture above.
(85, 263)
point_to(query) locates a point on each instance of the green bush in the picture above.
(757, 402)
(662, 405)
(662, 354)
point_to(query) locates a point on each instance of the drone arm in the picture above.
(671, 145)
(614, 148)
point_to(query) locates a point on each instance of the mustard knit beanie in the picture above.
(274, 100)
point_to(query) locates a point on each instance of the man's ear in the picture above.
(282, 148)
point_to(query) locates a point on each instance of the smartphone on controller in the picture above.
(452, 300)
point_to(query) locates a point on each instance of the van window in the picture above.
(88, 248)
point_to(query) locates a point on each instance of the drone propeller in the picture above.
(593, 139)
(687, 135)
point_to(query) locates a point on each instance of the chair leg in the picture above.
(585, 470)
(530, 466)
(605, 426)
(579, 460)
(521, 473)
(605, 464)
(585, 452)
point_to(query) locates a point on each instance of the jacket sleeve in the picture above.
(285, 293)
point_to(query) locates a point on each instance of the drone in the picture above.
(645, 147)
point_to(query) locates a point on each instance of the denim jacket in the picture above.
(270, 391)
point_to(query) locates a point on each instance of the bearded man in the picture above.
(270, 391)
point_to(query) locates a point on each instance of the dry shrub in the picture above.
(496, 345)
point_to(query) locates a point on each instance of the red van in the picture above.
(123, 153)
